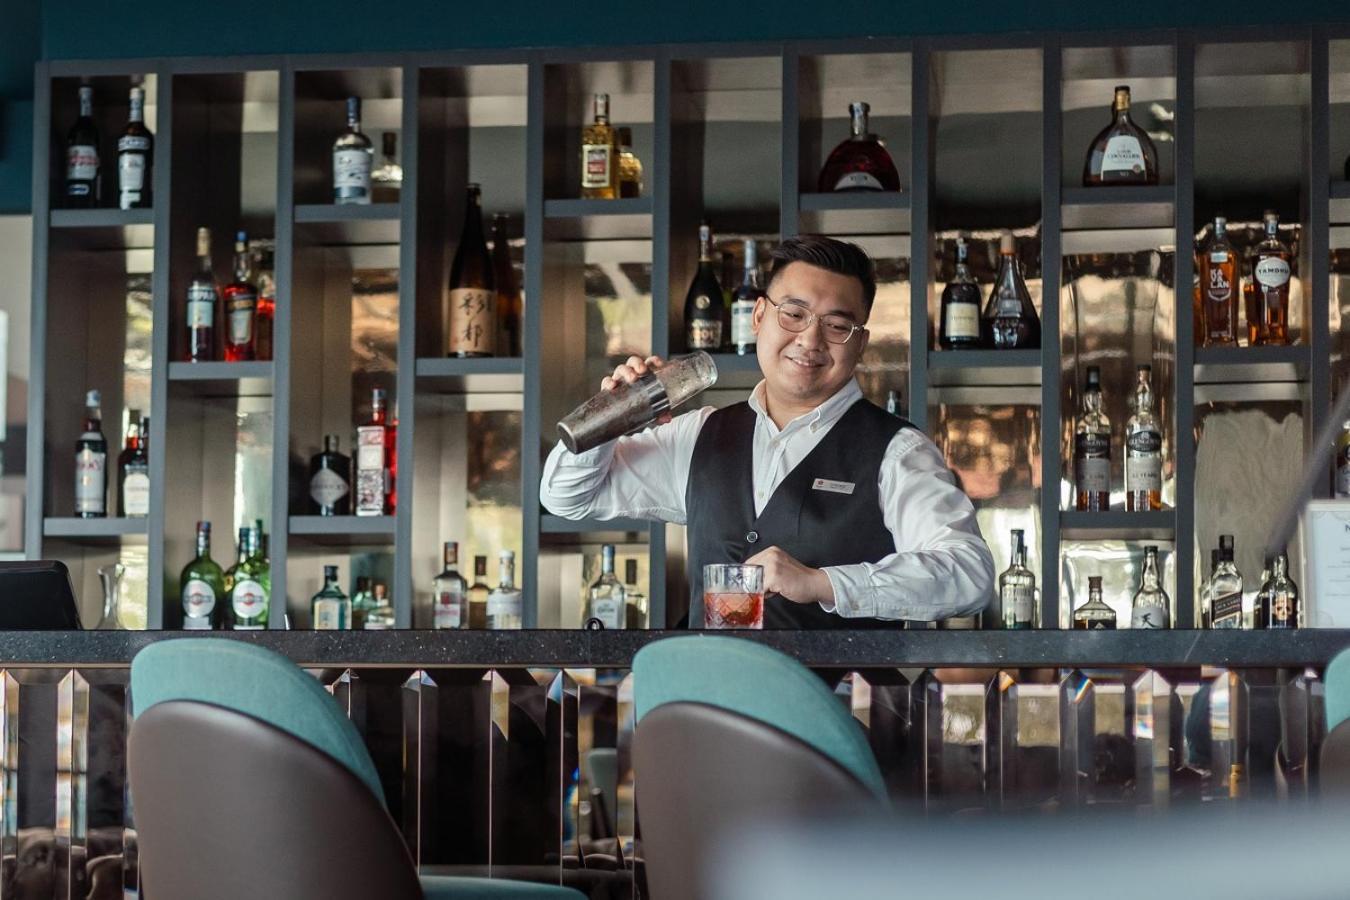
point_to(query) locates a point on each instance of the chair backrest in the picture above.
(1333, 764)
(255, 682)
(1337, 684)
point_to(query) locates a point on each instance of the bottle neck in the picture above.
(858, 123)
(1007, 273)
(137, 107)
(86, 104)
(1150, 576)
(1143, 396)
(204, 270)
(480, 568)
(93, 419)
(507, 578)
(607, 562)
(704, 246)
(1281, 568)
(243, 265)
(451, 556)
(1092, 399)
(203, 544)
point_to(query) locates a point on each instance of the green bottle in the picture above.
(362, 602)
(233, 570)
(331, 609)
(249, 592)
(202, 586)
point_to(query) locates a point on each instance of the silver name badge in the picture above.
(834, 487)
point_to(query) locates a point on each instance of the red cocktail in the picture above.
(733, 596)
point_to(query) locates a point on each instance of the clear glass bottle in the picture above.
(1122, 153)
(1017, 588)
(386, 182)
(363, 601)
(599, 145)
(1271, 271)
(605, 604)
(635, 601)
(1278, 602)
(82, 156)
(450, 592)
(202, 300)
(241, 305)
(91, 462)
(331, 609)
(1092, 449)
(1143, 448)
(1225, 589)
(743, 301)
(1094, 615)
(504, 603)
(264, 254)
(380, 616)
(860, 163)
(1219, 281)
(1151, 608)
(630, 167)
(135, 157)
(1010, 320)
(353, 157)
(249, 585)
(703, 301)
(960, 328)
(202, 586)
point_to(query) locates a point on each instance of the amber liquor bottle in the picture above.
(1094, 615)
(860, 163)
(1010, 321)
(375, 460)
(960, 306)
(599, 154)
(1271, 271)
(471, 302)
(1219, 281)
(240, 299)
(1143, 448)
(1092, 449)
(703, 303)
(1122, 153)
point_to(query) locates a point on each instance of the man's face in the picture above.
(803, 368)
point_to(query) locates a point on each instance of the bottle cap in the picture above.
(93, 398)
(1145, 368)
(1006, 245)
(1094, 377)
(330, 573)
(1095, 583)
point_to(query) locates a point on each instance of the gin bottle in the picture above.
(605, 598)
(331, 609)
(450, 592)
(504, 603)
(1151, 607)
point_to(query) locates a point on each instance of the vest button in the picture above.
(752, 536)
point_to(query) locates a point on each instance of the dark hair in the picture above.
(839, 257)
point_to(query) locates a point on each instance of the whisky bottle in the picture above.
(743, 302)
(1219, 280)
(635, 601)
(510, 307)
(202, 586)
(241, 305)
(1094, 615)
(1342, 487)
(330, 609)
(202, 299)
(249, 584)
(1092, 449)
(1010, 321)
(1151, 608)
(91, 462)
(1277, 603)
(1143, 449)
(450, 592)
(352, 159)
(386, 182)
(374, 461)
(1225, 589)
(1017, 588)
(135, 157)
(264, 253)
(82, 161)
(380, 616)
(330, 480)
(703, 301)
(479, 592)
(1122, 153)
(605, 604)
(630, 167)
(599, 172)
(1261, 603)
(133, 469)
(471, 303)
(960, 306)
(860, 163)
(363, 601)
(1270, 287)
(504, 603)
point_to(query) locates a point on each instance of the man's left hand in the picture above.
(790, 579)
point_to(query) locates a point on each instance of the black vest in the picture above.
(817, 527)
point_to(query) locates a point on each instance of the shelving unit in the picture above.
(987, 133)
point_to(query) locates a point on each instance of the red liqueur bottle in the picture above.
(860, 163)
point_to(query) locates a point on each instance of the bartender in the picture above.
(851, 511)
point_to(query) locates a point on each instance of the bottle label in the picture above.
(351, 174)
(858, 181)
(1226, 610)
(201, 306)
(1272, 272)
(1092, 462)
(704, 334)
(503, 603)
(199, 601)
(81, 165)
(1150, 617)
(1102, 625)
(1143, 461)
(742, 323)
(370, 470)
(609, 611)
(597, 161)
(1283, 610)
(472, 317)
(1021, 599)
(240, 310)
(131, 173)
(1010, 307)
(962, 320)
(91, 484)
(327, 615)
(248, 599)
(327, 487)
(449, 610)
(1123, 154)
(136, 493)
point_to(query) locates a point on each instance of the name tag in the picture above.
(834, 487)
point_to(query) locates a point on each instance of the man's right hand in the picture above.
(631, 371)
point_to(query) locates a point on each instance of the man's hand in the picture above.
(631, 371)
(790, 579)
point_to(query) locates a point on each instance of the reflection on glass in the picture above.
(1120, 565)
(493, 484)
(374, 347)
(884, 366)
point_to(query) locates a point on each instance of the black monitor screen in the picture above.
(37, 596)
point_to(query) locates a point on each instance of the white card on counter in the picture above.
(834, 487)
(1326, 534)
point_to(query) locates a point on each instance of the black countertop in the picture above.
(586, 649)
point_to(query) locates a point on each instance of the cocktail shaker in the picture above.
(632, 407)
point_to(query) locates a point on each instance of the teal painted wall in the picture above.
(95, 29)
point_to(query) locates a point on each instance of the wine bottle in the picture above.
(743, 302)
(703, 304)
(135, 156)
(471, 303)
(82, 161)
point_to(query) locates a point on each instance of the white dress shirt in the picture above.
(941, 568)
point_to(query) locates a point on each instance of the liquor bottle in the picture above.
(1342, 488)
(386, 182)
(1010, 321)
(860, 163)
(353, 156)
(743, 301)
(133, 469)
(450, 593)
(510, 307)
(1225, 589)
(599, 171)
(1219, 279)
(1261, 603)
(374, 453)
(381, 614)
(330, 609)
(703, 302)
(893, 404)
(1143, 448)
(363, 601)
(264, 253)
(630, 167)
(202, 299)
(1277, 603)
(242, 554)
(605, 605)
(1122, 153)
(135, 157)
(1270, 287)
(471, 313)
(202, 586)
(249, 585)
(1092, 449)
(241, 305)
(503, 604)
(1151, 608)
(479, 592)
(91, 462)
(330, 480)
(635, 601)
(82, 162)
(1094, 615)
(960, 306)
(1206, 597)
(1017, 588)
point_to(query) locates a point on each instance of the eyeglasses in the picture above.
(796, 319)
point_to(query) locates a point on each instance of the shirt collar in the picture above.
(825, 414)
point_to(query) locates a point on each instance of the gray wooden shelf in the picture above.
(1242, 365)
(110, 530)
(466, 376)
(1118, 206)
(984, 368)
(328, 223)
(221, 379)
(586, 220)
(1118, 524)
(855, 212)
(343, 531)
(550, 524)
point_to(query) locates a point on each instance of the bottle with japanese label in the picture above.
(202, 586)
(471, 302)
(1225, 589)
(1277, 603)
(1219, 282)
(1143, 448)
(1017, 588)
(1094, 615)
(353, 156)
(703, 301)
(249, 584)
(241, 305)
(202, 300)
(374, 461)
(82, 160)
(743, 301)
(1271, 271)
(450, 593)
(1122, 153)
(330, 609)
(504, 603)
(605, 604)
(330, 480)
(1092, 449)
(91, 462)
(133, 469)
(1151, 607)
(135, 157)
(960, 328)
(599, 154)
